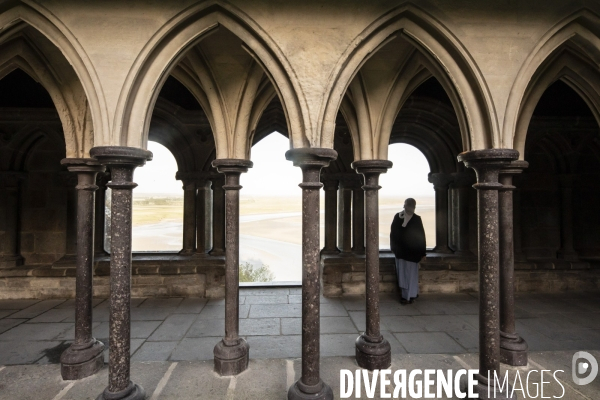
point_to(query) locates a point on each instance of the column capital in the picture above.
(515, 167)
(121, 155)
(372, 166)
(487, 165)
(198, 177)
(440, 180)
(464, 179)
(82, 166)
(311, 157)
(232, 165)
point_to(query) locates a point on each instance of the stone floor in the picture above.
(438, 329)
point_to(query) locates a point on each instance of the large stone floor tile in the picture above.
(154, 351)
(260, 326)
(173, 328)
(24, 351)
(139, 329)
(275, 310)
(194, 349)
(207, 327)
(37, 309)
(196, 380)
(438, 323)
(170, 302)
(8, 323)
(29, 332)
(191, 305)
(337, 325)
(16, 304)
(429, 343)
(18, 382)
(54, 315)
(275, 346)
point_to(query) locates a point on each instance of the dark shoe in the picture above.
(404, 302)
(411, 301)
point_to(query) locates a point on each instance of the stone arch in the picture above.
(169, 45)
(435, 42)
(92, 119)
(568, 52)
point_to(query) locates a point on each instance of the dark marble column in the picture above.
(11, 182)
(203, 216)
(462, 184)
(517, 230)
(122, 162)
(345, 218)
(189, 217)
(513, 349)
(566, 252)
(231, 353)
(218, 206)
(441, 182)
(100, 219)
(358, 217)
(487, 165)
(84, 356)
(330, 186)
(373, 351)
(69, 259)
(311, 161)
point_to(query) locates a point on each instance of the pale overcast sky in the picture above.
(272, 174)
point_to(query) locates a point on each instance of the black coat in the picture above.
(408, 243)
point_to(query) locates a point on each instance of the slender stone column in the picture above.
(70, 181)
(310, 385)
(513, 349)
(11, 182)
(462, 183)
(487, 165)
(566, 252)
(518, 238)
(345, 218)
(84, 356)
(373, 351)
(100, 220)
(358, 218)
(218, 217)
(330, 186)
(189, 217)
(122, 162)
(203, 203)
(441, 182)
(231, 353)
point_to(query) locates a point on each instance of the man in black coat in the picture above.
(407, 241)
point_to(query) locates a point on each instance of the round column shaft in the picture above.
(122, 162)
(358, 219)
(11, 182)
(100, 214)
(218, 225)
(567, 251)
(462, 183)
(202, 216)
(231, 353)
(373, 351)
(513, 348)
(311, 161)
(84, 356)
(189, 217)
(441, 182)
(487, 165)
(345, 219)
(330, 186)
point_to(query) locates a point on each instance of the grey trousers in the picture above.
(408, 278)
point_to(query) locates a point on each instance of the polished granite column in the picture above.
(122, 161)
(487, 165)
(330, 187)
(84, 356)
(311, 161)
(373, 351)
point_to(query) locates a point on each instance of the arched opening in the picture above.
(271, 215)
(158, 204)
(560, 187)
(408, 178)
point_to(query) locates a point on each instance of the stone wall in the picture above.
(344, 276)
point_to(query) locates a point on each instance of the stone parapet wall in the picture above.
(344, 276)
(152, 276)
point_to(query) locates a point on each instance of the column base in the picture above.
(300, 391)
(66, 261)
(186, 252)
(481, 389)
(231, 360)
(372, 354)
(328, 252)
(567, 255)
(513, 350)
(11, 261)
(217, 253)
(442, 250)
(132, 392)
(200, 255)
(80, 361)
